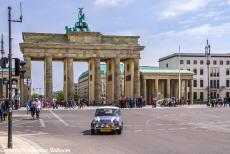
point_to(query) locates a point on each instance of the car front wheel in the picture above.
(119, 131)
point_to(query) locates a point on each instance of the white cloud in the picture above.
(183, 6)
(112, 2)
(203, 30)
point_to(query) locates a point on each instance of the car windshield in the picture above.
(105, 112)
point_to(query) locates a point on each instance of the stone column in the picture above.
(156, 89)
(65, 80)
(27, 89)
(168, 88)
(116, 80)
(144, 89)
(48, 77)
(70, 80)
(190, 91)
(186, 90)
(181, 87)
(110, 81)
(22, 92)
(97, 87)
(136, 78)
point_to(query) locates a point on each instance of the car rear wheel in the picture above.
(92, 132)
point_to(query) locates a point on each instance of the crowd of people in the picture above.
(219, 102)
(130, 102)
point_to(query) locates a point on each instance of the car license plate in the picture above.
(105, 130)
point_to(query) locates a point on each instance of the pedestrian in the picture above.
(32, 108)
(153, 102)
(1, 111)
(37, 107)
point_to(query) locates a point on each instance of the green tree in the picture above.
(76, 97)
(59, 96)
(35, 95)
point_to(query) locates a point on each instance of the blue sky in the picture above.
(163, 26)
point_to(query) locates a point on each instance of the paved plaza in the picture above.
(189, 130)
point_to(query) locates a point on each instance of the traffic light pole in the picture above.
(10, 144)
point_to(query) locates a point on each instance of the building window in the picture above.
(195, 71)
(181, 62)
(227, 94)
(201, 96)
(201, 71)
(195, 62)
(211, 84)
(167, 65)
(227, 83)
(221, 62)
(214, 62)
(188, 62)
(227, 71)
(194, 83)
(195, 95)
(188, 69)
(201, 83)
(227, 62)
(217, 84)
(201, 62)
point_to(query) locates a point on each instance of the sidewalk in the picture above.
(20, 146)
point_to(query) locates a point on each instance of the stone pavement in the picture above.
(20, 146)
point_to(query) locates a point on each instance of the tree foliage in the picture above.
(35, 95)
(59, 96)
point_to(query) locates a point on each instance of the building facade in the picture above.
(155, 82)
(164, 83)
(82, 87)
(219, 72)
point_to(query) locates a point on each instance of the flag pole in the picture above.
(179, 76)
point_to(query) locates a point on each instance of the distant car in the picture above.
(107, 119)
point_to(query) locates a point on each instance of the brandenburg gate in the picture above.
(92, 47)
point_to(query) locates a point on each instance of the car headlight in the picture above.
(95, 120)
(116, 120)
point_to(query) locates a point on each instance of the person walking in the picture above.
(1, 111)
(153, 102)
(37, 107)
(32, 108)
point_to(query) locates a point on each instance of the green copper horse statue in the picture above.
(81, 25)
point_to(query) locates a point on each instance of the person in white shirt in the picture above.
(37, 107)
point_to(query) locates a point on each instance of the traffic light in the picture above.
(3, 62)
(19, 67)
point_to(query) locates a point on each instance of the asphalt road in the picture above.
(146, 131)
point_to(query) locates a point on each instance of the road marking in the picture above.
(31, 134)
(60, 119)
(183, 128)
(24, 123)
(42, 122)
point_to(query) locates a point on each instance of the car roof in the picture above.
(108, 107)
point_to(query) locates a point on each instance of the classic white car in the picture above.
(107, 119)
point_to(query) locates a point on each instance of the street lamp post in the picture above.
(10, 144)
(207, 55)
(2, 53)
